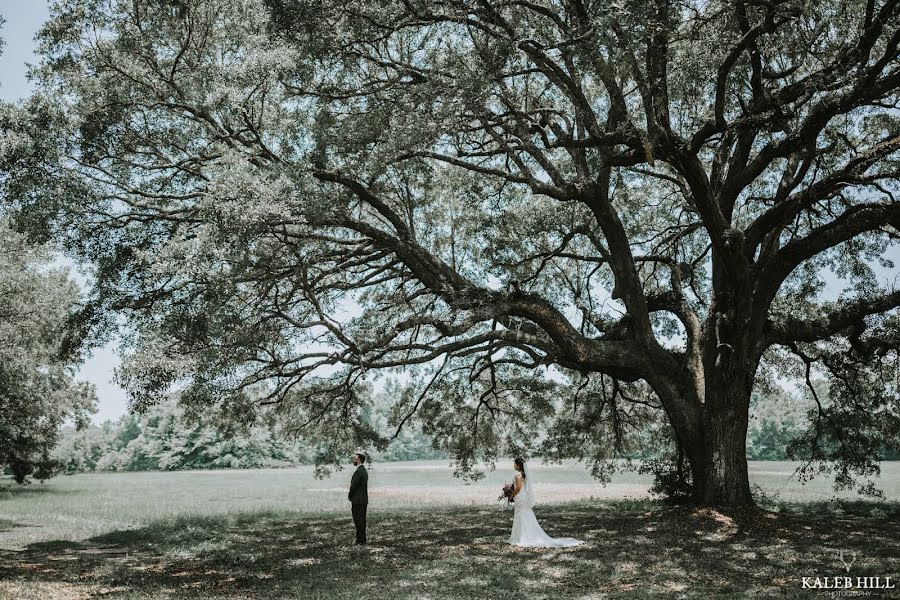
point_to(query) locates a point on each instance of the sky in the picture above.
(23, 19)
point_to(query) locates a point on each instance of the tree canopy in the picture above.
(588, 211)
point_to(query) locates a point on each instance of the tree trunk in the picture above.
(725, 480)
(729, 377)
(714, 442)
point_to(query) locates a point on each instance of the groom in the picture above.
(359, 496)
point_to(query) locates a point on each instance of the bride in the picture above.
(525, 529)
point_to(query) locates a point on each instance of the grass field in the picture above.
(282, 533)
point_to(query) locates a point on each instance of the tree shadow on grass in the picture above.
(7, 525)
(631, 550)
(10, 490)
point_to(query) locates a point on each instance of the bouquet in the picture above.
(507, 493)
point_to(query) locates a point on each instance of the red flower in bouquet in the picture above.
(507, 493)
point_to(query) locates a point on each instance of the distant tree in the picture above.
(408, 440)
(298, 193)
(777, 419)
(166, 438)
(79, 450)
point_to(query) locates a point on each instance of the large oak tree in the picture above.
(640, 196)
(38, 392)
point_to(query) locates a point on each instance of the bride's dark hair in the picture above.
(520, 462)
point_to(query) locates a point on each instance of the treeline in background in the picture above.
(164, 438)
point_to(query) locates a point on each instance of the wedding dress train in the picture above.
(526, 531)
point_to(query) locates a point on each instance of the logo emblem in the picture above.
(847, 561)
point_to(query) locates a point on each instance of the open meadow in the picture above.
(283, 533)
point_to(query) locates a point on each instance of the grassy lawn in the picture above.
(272, 534)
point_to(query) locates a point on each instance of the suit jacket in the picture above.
(359, 490)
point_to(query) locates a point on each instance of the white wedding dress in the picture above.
(526, 531)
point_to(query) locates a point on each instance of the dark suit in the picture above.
(359, 497)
